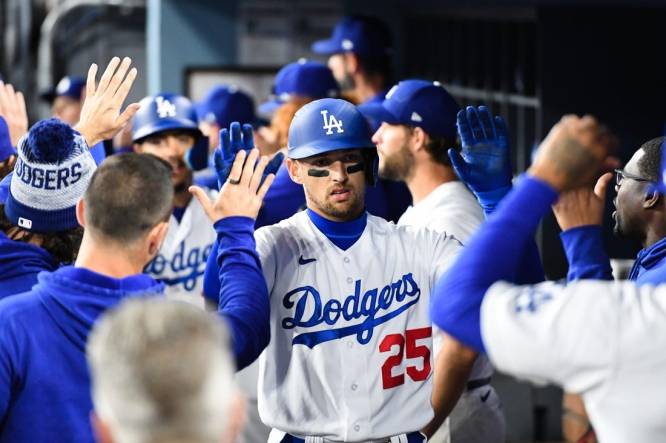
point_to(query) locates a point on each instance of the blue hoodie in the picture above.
(44, 382)
(650, 265)
(19, 265)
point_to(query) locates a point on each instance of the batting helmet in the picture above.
(164, 112)
(331, 124)
(171, 112)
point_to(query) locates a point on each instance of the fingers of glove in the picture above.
(463, 128)
(500, 130)
(274, 164)
(474, 124)
(225, 145)
(236, 137)
(487, 126)
(221, 167)
(458, 164)
(248, 137)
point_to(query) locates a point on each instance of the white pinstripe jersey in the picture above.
(350, 351)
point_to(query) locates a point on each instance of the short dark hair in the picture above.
(649, 165)
(63, 246)
(128, 195)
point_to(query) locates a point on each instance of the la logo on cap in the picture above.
(330, 123)
(165, 108)
(24, 223)
(416, 118)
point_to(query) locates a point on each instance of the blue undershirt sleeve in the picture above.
(496, 252)
(211, 283)
(243, 296)
(585, 252)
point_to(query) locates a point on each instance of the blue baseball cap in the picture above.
(69, 86)
(225, 104)
(325, 125)
(6, 148)
(420, 103)
(361, 35)
(303, 78)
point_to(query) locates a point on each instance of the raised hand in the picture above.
(232, 141)
(485, 162)
(582, 206)
(243, 192)
(101, 118)
(12, 109)
(574, 153)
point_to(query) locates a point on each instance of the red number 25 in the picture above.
(413, 351)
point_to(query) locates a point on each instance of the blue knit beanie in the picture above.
(52, 172)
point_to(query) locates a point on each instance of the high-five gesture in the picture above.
(243, 192)
(12, 109)
(100, 115)
(574, 153)
(485, 162)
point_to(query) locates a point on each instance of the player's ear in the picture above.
(419, 140)
(651, 199)
(156, 237)
(81, 212)
(137, 148)
(294, 169)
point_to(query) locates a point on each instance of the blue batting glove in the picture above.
(485, 161)
(232, 140)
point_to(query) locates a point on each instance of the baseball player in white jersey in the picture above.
(350, 357)
(418, 127)
(615, 361)
(166, 126)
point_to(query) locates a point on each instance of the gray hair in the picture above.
(161, 370)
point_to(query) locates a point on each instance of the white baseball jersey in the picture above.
(477, 416)
(603, 340)
(350, 357)
(450, 208)
(181, 262)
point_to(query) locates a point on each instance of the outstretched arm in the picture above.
(569, 158)
(484, 165)
(243, 297)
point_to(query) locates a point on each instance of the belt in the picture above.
(479, 382)
(412, 437)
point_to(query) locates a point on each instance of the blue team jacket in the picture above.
(19, 265)
(650, 265)
(588, 259)
(44, 382)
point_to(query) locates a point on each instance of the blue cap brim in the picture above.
(326, 47)
(376, 112)
(269, 106)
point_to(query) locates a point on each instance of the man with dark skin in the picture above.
(640, 215)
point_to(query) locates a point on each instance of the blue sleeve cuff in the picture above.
(243, 296)
(234, 223)
(490, 199)
(585, 253)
